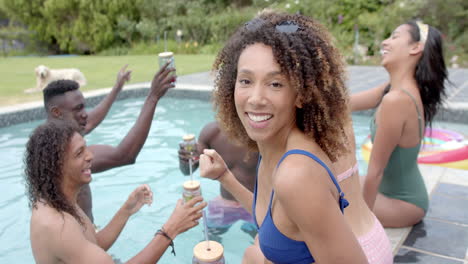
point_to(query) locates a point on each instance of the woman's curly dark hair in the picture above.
(303, 48)
(44, 159)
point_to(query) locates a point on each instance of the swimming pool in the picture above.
(156, 165)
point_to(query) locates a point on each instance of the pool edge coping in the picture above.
(31, 111)
(26, 112)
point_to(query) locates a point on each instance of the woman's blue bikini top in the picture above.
(277, 247)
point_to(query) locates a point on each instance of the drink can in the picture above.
(165, 57)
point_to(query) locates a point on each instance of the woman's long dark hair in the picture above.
(431, 72)
(44, 158)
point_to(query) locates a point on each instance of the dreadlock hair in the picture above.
(304, 51)
(57, 88)
(44, 160)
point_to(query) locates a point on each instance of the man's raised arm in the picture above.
(107, 157)
(99, 112)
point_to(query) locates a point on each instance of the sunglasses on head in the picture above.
(288, 26)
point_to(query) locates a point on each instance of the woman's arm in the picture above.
(310, 202)
(212, 166)
(367, 99)
(389, 129)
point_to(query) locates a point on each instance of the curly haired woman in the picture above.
(394, 187)
(58, 164)
(280, 91)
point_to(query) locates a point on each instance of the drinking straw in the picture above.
(190, 167)
(165, 41)
(206, 231)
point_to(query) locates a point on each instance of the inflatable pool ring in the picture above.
(441, 147)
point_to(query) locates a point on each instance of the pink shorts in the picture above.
(224, 213)
(376, 245)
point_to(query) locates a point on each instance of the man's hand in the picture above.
(123, 76)
(96, 115)
(162, 81)
(140, 196)
(184, 216)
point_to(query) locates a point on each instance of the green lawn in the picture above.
(17, 74)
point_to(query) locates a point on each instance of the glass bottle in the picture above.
(165, 57)
(189, 144)
(208, 252)
(191, 190)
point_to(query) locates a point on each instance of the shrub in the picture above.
(138, 27)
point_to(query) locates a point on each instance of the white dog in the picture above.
(45, 75)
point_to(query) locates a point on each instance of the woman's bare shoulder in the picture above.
(396, 98)
(298, 172)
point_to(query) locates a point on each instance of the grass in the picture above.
(17, 73)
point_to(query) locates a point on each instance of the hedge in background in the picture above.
(72, 26)
(126, 27)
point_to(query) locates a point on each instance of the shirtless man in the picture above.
(58, 164)
(63, 100)
(224, 210)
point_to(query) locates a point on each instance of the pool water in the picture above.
(157, 165)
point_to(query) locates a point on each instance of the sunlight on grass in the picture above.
(100, 71)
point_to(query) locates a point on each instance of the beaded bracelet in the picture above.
(162, 232)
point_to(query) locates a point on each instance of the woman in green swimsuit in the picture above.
(394, 187)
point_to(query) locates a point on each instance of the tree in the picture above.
(75, 25)
(126, 28)
(147, 29)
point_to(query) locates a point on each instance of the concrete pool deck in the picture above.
(442, 237)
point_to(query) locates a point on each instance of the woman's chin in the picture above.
(382, 62)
